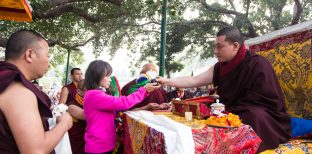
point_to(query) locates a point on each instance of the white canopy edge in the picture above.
(280, 33)
(28, 4)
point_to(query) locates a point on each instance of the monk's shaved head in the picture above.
(147, 67)
(232, 35)
(20, 41)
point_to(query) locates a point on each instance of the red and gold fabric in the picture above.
(226, 140)
(139, 138)
(18, 10)
(291, 58)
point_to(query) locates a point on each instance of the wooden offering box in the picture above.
(198, 106)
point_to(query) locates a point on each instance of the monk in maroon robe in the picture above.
(179, 93)
(8, 74)
(247, 85)
(69, 91)
(76, 133)
(155, 98)
(23, 108)
(252, 91)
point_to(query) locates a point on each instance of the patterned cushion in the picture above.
(297, 146)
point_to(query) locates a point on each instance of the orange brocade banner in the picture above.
(17, 10)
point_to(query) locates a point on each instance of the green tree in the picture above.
(135, 25)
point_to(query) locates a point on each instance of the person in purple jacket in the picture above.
(100, 108)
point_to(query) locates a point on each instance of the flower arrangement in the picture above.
(228, 120)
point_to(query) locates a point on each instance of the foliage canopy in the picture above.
(135, 25)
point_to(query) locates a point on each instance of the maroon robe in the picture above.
(76, 133)
(174, 94)
(252, 91)
(8, 74)
(72, 91)
(157, 96)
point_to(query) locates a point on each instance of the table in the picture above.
(140, 136)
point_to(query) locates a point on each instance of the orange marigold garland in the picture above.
(227, 120)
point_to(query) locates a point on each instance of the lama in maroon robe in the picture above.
(251, 90)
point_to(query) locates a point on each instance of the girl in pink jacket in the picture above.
(100, 108)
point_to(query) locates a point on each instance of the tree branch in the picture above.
(297, 12)
(232, 5)
(180, 23)
(83, 43)
(62, 2)
(220, 10)
(277, 12)
(151, 22)
(200, 22)
(251, 29)
(66, 46)
(54, 3)
(150, 31)
(68, 8)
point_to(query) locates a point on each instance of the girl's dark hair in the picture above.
(95, 72)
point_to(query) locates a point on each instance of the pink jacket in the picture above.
(99, 109)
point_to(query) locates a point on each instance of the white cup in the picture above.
(188, 116)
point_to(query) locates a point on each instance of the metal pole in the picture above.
(67, 66)
(163, 39)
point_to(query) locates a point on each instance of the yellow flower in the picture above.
(228, 120)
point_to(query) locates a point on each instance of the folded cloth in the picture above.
(59, 110)
(63, 147)
(178, 137)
